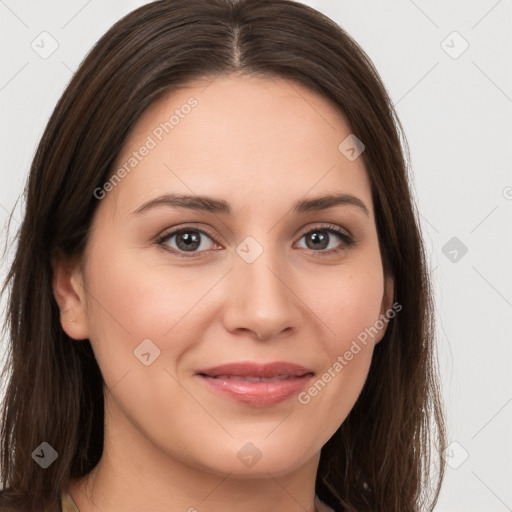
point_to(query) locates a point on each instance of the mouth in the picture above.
(249, 378)
(250, 369)
(254, 384)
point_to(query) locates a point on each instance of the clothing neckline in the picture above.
(68, 504)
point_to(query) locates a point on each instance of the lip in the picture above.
(251, 369)
(229, 380)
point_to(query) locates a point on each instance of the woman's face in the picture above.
(253, 278)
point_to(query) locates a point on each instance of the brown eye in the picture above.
(190, 242)
(186, 240)
(319, 239)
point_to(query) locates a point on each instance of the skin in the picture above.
(170, 442)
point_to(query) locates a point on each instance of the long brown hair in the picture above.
(381, 457)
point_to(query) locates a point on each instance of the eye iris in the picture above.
(315, 237)
(191, 241)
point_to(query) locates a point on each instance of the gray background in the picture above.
(455, 106)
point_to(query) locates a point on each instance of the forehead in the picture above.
(243, 136)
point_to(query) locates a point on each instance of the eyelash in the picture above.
(347, 241)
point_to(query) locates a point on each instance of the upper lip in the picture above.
(251, 369)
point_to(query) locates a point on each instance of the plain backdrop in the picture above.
(446, 66)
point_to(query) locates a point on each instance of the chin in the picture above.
(258, 458)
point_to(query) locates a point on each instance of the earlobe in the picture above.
(69, 295)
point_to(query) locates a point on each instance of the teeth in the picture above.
(255, 379)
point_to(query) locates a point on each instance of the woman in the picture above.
(219, 296)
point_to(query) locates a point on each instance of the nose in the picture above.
(261, 298)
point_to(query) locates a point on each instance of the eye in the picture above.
(186, 240)
(191, 240)
(320, 238)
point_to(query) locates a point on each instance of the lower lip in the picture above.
(258, 394)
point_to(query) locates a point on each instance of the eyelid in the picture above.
(344, 234)
(169, 233)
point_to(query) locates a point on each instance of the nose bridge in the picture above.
(262, 299)
(263, 274)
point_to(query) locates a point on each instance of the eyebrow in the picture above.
(213, 205)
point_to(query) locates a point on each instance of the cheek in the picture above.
(349, 302)
(131, 300)
(349, 313)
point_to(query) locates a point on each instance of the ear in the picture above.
(386, 307)
(69, 293)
